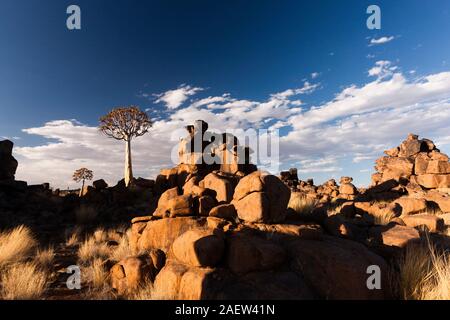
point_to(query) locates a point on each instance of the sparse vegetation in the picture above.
(16, 245)
(82, 174)
(301, 204)
(91, 250)
(44, 258)
(425, 273)
(22, 281)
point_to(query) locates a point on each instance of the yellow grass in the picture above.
(123, 250)
(425, 274)
(73, 236)
(90, 250)
(16, 245)
(144, 292)
(44, 258)
(301, 204)
(384, 217)
(96, 273)
(23, 281)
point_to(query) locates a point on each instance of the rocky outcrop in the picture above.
(8, 164)
(417, 162)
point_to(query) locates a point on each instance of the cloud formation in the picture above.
(175, 98)
(382, 40)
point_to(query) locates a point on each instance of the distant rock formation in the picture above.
(414, 163)
(8, 164)
(203, 149)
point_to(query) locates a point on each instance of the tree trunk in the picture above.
(82, 188)
(128, 175)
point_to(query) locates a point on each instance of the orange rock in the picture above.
(162, 233)
(261, 197)
(438, 167)
(337, 268)
(248, 253)
(411, 205)
(198, 248)
(396, 235)
(222, 186)
(433, 181)
(431, 222)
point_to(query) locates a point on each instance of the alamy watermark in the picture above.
(73, 21)
(232, 147)
(374, 20)
(74, 281)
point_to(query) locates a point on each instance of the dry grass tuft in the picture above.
(301, 204)
(73, 236)
(16, 245)
(44, 258)
(146, 291)
(96, 273)
(90, 250)
(383, 218)
(425, 273)
(23, 281)
(123, 250)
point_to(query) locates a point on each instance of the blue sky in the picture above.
(129, 52)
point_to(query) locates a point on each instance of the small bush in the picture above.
(301, 204)
(23, 281)
(425, 273)
(16, 245)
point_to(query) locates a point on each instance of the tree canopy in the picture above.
(82, 174)
(125, 123)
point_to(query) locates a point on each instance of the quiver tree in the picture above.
(125, 124)
(82, 174)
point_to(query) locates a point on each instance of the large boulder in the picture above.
(394, 167)
(162, 210)
(411, 205)
(224, 211)
(394, 235)
(180, 282)
(8, 164)
(131, 272)
(442, 200)
(338, 269)
(431, 222)
(249, 253)
(410, 147)
(161, 233)
(433, 181)
(199, 248)
(261, 197)
(222, 185)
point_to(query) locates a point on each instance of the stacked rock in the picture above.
(416, 162)
(8, 164)
(347, 190)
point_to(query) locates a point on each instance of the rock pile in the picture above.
(417, 162)
(227, 234)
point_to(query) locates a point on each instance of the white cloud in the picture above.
(381, 40)
(382, 69)
(315, 75)
(175, 98)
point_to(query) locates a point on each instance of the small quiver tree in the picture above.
(82, 174)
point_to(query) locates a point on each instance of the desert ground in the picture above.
(231, 231)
